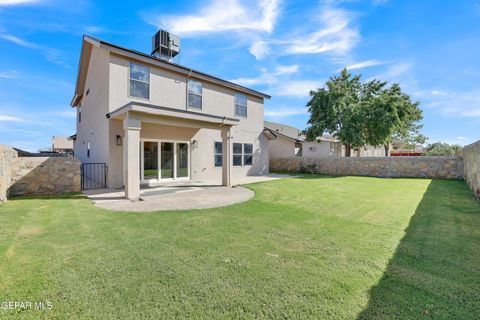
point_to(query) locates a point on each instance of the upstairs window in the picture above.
(139, 81)
(240, 105)
(194, 94)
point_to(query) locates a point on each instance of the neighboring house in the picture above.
(290, 141)
(62, 144)
(151, 120)
(369, 151)
(399, 149)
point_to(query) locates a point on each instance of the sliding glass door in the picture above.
(182, 160)
(150, 160)
(164, 160)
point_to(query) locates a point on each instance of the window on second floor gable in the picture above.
(240, 105)
(139, 81)
(194, 99)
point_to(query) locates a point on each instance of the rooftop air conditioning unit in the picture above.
(165, 45)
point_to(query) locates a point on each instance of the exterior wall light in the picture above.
(194, 144)
(118, 140)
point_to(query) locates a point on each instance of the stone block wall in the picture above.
(44, 175)
(471, 159)
(37, 175)
(388, 167)
(7, 155)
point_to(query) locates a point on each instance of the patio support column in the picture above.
(131, 149)
(226, 156)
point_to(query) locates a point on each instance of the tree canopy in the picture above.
(363, 112)
(443, 149)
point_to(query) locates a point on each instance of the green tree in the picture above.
(392, 116)
(361, 113)
(443, 149)
(336, 109)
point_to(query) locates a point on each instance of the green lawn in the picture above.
(311, 247)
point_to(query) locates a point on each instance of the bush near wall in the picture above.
(388, 167)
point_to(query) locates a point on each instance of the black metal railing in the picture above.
(94, 175)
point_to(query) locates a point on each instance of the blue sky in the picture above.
(284, 48)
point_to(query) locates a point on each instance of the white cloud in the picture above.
(279, 82)
(267, 77)
(363, 64)
(6, 118)
(17, 2)
(259, 49)
(284, 112)
(18, 41)
(379, 2)
(438, 93)
(94, 29)
(10, 74)
(65, 114)
(51, 54)
(222, 15)
(453, 104)
(336, 35)
(297, 88)
(463, 138)
(400, 72)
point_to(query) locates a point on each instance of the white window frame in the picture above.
(242, 154)
(195, 94)
(215, 153)
(237, 154)
(246, 154)
(159, 178)
(131, 79)
(241, 105)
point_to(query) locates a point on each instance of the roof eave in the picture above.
(176, 67)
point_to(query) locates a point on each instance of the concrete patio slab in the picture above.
(178, 195)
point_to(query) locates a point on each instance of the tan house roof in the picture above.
(89, 42)
(293, 133)
(61, 143)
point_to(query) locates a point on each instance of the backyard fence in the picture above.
(94, 175)
(387, 167)
(471, 158)
(36, 175)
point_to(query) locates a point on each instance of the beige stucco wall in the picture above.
(168, 89)
(471, 158)
(281, 147)
(370, 151)
(94, 125)
(316, 149)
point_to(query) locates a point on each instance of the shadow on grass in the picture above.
(302, 175)
(64, 196)
(435, 271)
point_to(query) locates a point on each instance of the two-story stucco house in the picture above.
(151, 120)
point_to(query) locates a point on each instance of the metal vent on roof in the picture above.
(165, 45)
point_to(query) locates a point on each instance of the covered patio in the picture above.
(134, 114)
